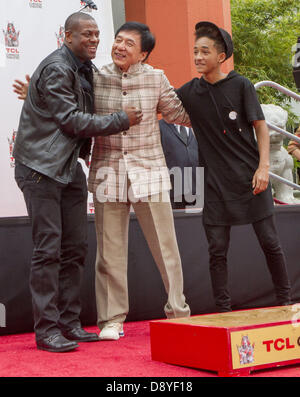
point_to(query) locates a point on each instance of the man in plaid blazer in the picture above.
(130, 169)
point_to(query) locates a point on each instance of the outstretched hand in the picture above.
(21, 88)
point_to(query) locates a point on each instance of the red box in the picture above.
(233, 343)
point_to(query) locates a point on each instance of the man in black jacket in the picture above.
(55, 128)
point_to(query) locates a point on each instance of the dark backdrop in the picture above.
(250, 282)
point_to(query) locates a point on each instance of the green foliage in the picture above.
(265, 34)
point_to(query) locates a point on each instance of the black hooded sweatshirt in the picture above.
(221, 115)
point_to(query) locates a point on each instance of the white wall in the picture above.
(37, 22)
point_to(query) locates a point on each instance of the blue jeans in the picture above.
(58, 215)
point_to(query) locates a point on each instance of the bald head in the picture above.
(73, 21)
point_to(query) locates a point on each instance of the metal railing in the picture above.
(283, 180)
(295, 96)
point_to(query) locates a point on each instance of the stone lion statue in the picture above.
(281, 163)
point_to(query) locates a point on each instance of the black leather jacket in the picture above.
(53, 123)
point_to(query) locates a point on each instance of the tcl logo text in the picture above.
(280, 344)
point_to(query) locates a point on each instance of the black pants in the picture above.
(58, 215)
(218, 238)
(183, 203)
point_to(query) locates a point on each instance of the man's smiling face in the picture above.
(84, 39)
(126, 49)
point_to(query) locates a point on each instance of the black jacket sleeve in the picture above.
(61, 100)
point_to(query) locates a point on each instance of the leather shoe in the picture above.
(80, 335)
(56, 343)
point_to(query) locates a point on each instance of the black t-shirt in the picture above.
(85, 72)
(221, 116)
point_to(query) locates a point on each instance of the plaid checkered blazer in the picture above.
(136, 154)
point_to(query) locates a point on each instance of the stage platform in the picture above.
(250, 283)
(231, 344)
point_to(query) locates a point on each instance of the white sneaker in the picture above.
(112, 331)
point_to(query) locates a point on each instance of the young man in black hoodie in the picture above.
(223, 109)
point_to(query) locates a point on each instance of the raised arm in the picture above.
(170, 106)
(60, 99)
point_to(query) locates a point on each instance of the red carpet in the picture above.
(128, 357)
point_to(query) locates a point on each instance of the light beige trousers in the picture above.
(157, 223)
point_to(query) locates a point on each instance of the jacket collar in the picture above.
(75, 62)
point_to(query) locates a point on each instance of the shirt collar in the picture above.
(79, 64)
(136, 68)
(179, 126)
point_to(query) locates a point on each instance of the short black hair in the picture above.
(73, 20)
(213, 34)
(147, 37)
